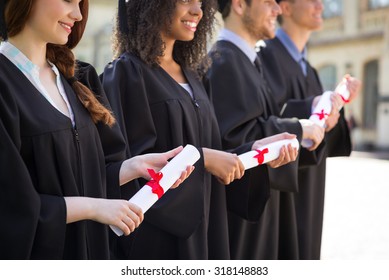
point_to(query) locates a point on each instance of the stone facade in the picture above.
(357, 42)
(95, 46)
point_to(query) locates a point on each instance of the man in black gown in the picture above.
(291, 76)
(246, 111)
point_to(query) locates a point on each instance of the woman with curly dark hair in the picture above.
(140, 32)
(159, 102)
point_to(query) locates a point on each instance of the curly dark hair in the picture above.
(145, 18)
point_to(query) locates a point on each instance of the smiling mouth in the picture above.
(67, 27)
(191, 24)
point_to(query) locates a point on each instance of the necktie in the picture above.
(303, 65)
(258, 65)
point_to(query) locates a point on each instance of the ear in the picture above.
(238, 6)
(285, 7)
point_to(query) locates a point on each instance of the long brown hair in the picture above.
(16, 14)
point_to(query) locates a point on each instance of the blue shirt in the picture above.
(228, 35)
(299, 57)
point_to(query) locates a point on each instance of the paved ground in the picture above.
(356, 216)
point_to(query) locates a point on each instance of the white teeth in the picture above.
(190, 24)
(65, 25)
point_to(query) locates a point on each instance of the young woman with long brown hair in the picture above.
(58, 156)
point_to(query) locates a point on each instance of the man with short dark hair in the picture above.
(288, 73)
(247, 110)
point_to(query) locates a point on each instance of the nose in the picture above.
(195, 9)
(277, 9)
(76, 14)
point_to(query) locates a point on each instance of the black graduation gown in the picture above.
(42, 159)
(297, 91)
(246, 111)
(156, 114)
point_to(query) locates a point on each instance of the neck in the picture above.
(167, 57)
(237, 27)
(298, 35)
(33, 50)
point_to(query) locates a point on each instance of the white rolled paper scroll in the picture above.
(168, 175)
(343, 91)
(266, 153)
(323, 108)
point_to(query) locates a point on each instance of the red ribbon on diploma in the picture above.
(154, 183)
(321, 115)
(344, 99)
(261, 155)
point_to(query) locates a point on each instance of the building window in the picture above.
(370, 94)
(332, 8)
(376, 4)
(327, 76)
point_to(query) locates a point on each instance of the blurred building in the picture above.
(354, 39)
(95, 46)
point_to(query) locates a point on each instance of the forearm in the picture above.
(79, 208)
(128, 171)
(207, 153)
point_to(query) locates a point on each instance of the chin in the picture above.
(186, 39)
(317, 27)
(269, 35)
(59, 41)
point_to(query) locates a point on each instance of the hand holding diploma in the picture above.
(225, 166)
(275, 151)
(326, 112)
(164, 179)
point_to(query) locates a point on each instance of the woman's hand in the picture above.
(287, 153)
(137, 166)
(184, 175)
(225, 166)
(120, 213)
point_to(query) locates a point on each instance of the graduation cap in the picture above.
(122, 13)
(3, 27)
(222, 4)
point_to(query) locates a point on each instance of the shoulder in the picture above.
(126, 60)
(8, 78)
(273, 44)
(126, 64)
(84, 69)
(225, 57)
(6, 66)
(223, 52)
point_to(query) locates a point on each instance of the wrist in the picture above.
(206, 154)
(91, 208)
(129, 170)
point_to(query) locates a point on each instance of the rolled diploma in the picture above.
(249, 159)
(323, 108)
(145, 198)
